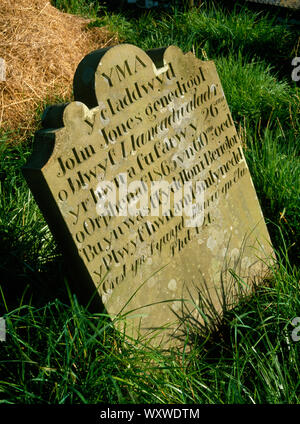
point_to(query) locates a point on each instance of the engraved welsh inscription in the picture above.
(147, 189)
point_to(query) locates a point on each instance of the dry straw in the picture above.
(41, 48)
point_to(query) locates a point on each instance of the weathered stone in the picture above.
(138, 119)
(290, 4)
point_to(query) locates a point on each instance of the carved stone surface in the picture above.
(291, 4)
(146, 188)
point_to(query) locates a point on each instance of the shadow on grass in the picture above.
(23, 280)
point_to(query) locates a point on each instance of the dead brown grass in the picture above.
(41, 47)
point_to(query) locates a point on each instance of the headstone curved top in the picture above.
(146, 188)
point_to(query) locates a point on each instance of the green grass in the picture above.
(215, 29)
(274, 162)
(85, 8)
(57, 351)
(60, 353)
(257, 92)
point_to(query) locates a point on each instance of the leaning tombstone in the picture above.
(144, 184)
(290, 4)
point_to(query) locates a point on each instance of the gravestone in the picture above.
(290, 4)
(143, 182)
